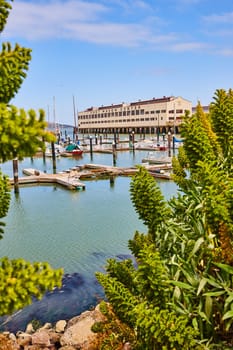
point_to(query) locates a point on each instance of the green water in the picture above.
(74, 230)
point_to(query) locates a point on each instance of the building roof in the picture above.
(137, 103)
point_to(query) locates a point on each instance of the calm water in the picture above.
(74, 230)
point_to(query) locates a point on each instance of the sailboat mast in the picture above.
(54, 114)
(75, 121)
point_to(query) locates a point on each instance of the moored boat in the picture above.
(73, 149)
(160, 173)
(153, 158)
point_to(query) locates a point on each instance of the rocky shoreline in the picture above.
(64, 335)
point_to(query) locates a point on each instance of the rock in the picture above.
(24, 339)
(60, 326)
(8, 344)
(12, 337)
(78, 332)
(41, 338)
(29, 329)
(54, 336)
(46, 326)
(72, 335)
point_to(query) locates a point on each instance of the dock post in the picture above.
(16, 175)
(114, 153)
(91, 150)
(115, 138)
(169, 143)
(54, 157)
(112, 181)
(133, 140)
(173, 142)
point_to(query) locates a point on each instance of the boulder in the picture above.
(24, 339)
(60, 326)
(41, 338)
(78, 332)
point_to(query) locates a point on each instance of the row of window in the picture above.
(126, 113)
(120, 121)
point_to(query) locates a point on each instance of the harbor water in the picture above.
(75, 230)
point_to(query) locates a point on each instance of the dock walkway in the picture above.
(71, 178)
(37, 176)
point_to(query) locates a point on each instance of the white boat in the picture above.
(48, 153)
(58, 149)
(153, 158)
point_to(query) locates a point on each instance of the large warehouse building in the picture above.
(158, 115)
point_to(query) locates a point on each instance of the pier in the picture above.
(70, 178)
(39, 177)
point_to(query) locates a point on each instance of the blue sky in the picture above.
(112, 51)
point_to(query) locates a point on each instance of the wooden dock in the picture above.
(34, 176)
(70, 178)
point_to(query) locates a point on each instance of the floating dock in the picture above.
(71, 178)
(37, 177)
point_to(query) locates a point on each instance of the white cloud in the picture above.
(226, 52)
(40, 21)
(101, 22)
(190, 46)
(216, 18)
(85, 21)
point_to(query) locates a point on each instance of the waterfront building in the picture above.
(157, 115)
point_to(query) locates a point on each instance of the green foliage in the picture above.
(120, 295)
(148, 200)
(20, 281)
(14, 62)
(4, 199)
(21, 133)
(113, 333)
(5, 8)
(221, 111)
(180, 294)
(162, 329)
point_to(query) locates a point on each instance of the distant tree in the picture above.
(21, 134)
(180, 294)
